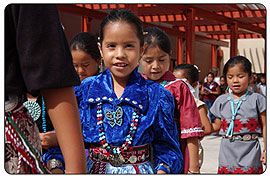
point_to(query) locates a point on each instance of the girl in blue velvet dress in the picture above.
(123, 115)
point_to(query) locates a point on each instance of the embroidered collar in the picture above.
(135, 93)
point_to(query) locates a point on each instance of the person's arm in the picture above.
(217, 91)
(193, 149)
(206, 125)
(216, 125)
(262, 118)
(202, 90)
(63, 111)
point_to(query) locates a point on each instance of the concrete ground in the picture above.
(211, 146)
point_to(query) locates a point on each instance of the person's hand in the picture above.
(161, 172)
(48, 140)
(263, 157)
(206, 92)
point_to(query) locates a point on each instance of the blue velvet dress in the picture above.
(156, 124)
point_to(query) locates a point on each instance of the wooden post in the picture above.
(213, 56)
(190, 35)
(86, 24)
(234, 39)
(179, 51)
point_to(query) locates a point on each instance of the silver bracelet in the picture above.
(194, 172)
(54, 163)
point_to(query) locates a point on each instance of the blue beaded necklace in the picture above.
(234, 112)
(43, 115)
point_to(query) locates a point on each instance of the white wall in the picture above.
(253, 49)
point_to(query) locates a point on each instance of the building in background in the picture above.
(203, 34)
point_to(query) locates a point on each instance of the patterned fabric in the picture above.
(22, 143)
(247, 120)
(240, 170)
(156, 127)
(241, 126)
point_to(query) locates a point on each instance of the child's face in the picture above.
(155, 63)
(222, 81)
(237, 80)
(84, 64)
(210, 78)
(263, 80)
(120, 49)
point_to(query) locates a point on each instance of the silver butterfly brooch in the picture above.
(114, 117)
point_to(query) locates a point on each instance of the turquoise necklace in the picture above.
(163, 83)
(43, 115)
(238, 102)
(35, 112)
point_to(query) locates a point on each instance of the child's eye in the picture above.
(229, 77)
(161, 60)
(85, 65)
(110, 46)
(75, 65)
(148, 61)
(129, 46)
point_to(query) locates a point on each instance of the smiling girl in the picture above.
(122, 114)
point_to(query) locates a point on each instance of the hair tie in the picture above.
(197, 68)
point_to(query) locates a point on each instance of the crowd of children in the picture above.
(152, 122)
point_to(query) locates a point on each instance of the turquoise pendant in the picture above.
(33, 109)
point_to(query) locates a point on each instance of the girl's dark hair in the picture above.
(122, 15)
(191, 73)
(157, 37)
(86, 42)
(211, 73)
(222, 76)
(246, 64)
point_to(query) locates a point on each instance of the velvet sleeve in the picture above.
(166, 147)
(54, 153)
